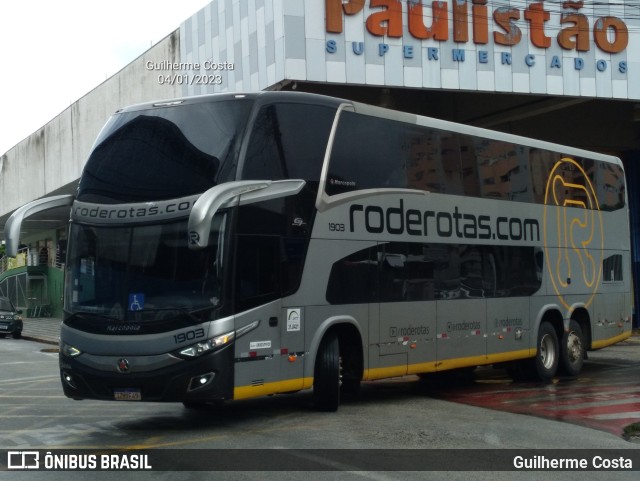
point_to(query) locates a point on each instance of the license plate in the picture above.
(127, 394)
(4, 327)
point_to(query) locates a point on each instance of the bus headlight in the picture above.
(203, 347)
(68, 350)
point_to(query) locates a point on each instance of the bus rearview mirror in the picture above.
(14, 224)
(233, 193)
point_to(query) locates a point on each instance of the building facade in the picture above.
(577, 49)
(563, 71)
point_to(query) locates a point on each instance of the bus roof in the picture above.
(262, 97)
(366, 109)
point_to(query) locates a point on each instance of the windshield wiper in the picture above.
(196, 314)
(176, 313)
(181, 315)
(87, 316)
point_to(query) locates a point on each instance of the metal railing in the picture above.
(20, 260)
(28, 291)
(31, 257)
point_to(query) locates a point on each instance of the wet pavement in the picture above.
(605, 396)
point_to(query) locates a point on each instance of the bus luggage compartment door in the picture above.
(461, 333)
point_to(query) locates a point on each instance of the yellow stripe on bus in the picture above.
(246, 392)
(612, 340)
(445, 364)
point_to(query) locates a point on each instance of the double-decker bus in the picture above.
(238, 245)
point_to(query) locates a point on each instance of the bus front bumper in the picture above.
(206, 378)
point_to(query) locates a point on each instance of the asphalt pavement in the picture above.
(42, 329)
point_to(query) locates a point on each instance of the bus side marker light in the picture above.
(500, 336)
(413, 345)
(292, 358)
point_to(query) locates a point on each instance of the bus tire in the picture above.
(545, 364)
(326, 376)
(572, 350)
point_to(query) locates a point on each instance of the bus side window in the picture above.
(379, 161)
(406, 272)
(353, 279)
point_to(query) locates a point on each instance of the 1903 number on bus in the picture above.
(188, 335)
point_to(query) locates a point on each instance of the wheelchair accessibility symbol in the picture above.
(136, 301)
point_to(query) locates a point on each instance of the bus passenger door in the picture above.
(258, 299)
(257, 355)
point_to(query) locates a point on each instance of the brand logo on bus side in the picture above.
(573, 234)
(132, 213)
(444, 224)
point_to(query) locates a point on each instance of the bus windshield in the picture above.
(143, 273)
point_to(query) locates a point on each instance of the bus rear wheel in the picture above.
(572, 350)
(326, 377)
(545, 364)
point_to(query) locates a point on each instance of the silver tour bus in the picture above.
(238, 245)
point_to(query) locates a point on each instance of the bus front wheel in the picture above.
(545, 364)
(326, 377)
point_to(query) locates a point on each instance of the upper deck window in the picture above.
(376, 153)
(165, 153)
(288, 141)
